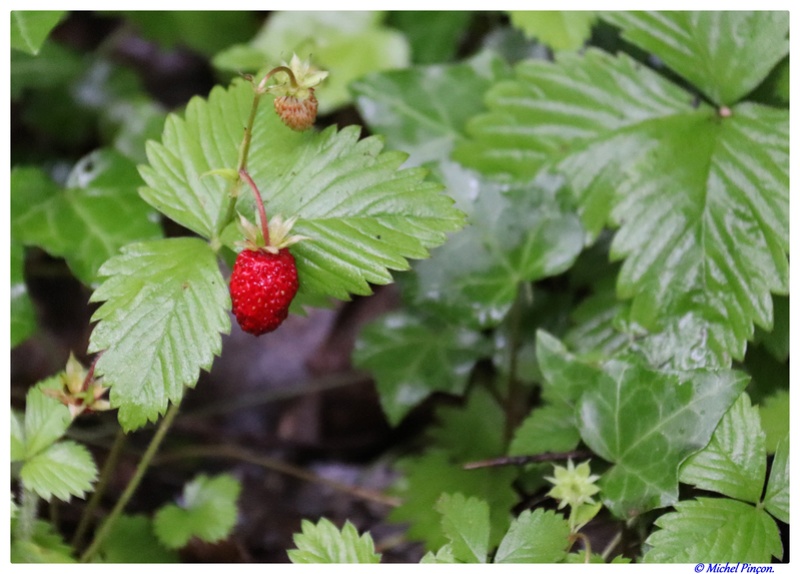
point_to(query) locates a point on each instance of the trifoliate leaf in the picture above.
(30, 28)
(46, 419)
(774, 411)
(63, 470)
(423, 110)
(347, 44)
(465, 522)
(165, 305)
(132, 541)
(776, 499)
(46, 546)
(207, 510)
(561, 30)
(714, 530)
(411, 358)
(538, 537)
(734, 463)
(23, 317)
(633, 147)
(323, 543)
(513, 236)
(548, 428)
(88, 222)
(724, 53)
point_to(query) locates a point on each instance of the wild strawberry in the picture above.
(295, 101)
(299, 114)
(262, 286)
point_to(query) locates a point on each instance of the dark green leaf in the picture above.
(565, 377)
(558, 29)
(538, 537)
(548, 428)
(166, 304)
(30, 28)
(63, 470)
(53, 66)
(132, 541)
(709, 530)
(46, 546)
(775, 414)
(777, 340)
(465, 522)
(434, 35)
(724, 53)
(23, 317)
(776, 499)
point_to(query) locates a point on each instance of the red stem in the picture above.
(262, 213)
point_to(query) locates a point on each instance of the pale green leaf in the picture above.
(17, 451)
(734, 463)
(165, 305)
(561, 30)
(30, 28)
(548, 428)
(207, 510)
(46, 546)
(63, 470)
(46, 419)
(323, 543)
(776, 499)
(724, 53)
(647, 422)
(132, 541)
(708, 530)
(538, 537)
(775, 414)
(88, 222)
(465, 522)
(410, 359)
(442, 556)
(23, 317)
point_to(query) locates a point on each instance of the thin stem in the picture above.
(238, 453)
(587, 546)
(611, 546)
(526, 459)
(147, 457)
(29, 502)
(102, 483)
(262, 213)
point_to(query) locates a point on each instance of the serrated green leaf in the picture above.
(207, 510)
(44, 547)
(647, 422)
(63, 470)
(708, 530)
(410, 359)
(434, 35)
(776, 499)
(537, 537)
(465, 522)
(323, 543)
(638, 154)
(165, 305)
(775, 413)
(734, 462)
(548, 428)
(88, 222)
(423, 110)
(482, 418)
(513, 236)
(724, 53)
(30, 28)
(23, 317)
(347, 44)
(132, 541)
(46, 419)
(17, 451)
(561, 30)
(443, 556)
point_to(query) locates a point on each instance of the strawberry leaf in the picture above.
(548, 428)
(23, 317)
(207, 510)
(724, 53)
(133, 541)
(538, 537)
(45, 546)
(776, 498)
(323, 543)
(165, 305)
(709, 530)
(687, 186)
(560, 30)
(63, 470)
(46, 419)
(30, 28)
(465, 522)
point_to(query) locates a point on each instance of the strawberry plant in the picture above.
(585, 353)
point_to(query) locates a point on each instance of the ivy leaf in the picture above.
(548, 428)
(734, 463)
(207, 510)
(30, 28)
(776, 499)
(46, 419)
(165, 305)
(63, 470)
(714, 530)
(88, 222)
(465, 522)
(411, 358)
(565, 377)
(23, 317)
(538, 537)
(561, 30)
(132, 541)
(702, 211)
(724, 53)
(348, 44)
(423, 110)
(647, 422)
(514, 236)
(323, 543)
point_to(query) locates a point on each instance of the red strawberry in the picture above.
(262, 286)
